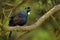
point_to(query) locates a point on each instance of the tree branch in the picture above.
(36, 24)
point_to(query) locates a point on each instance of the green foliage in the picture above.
(40, 34)
(43, 35)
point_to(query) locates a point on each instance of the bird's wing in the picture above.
(17, 19)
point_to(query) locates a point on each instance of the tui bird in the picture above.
(19, 18)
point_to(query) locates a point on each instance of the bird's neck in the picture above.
(26, 10)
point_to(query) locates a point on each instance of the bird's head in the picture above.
(28, 9)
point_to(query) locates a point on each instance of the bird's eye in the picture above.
(28, 8)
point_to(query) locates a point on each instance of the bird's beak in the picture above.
(28, 13)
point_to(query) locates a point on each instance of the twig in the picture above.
(54, 19)
(57, 28)
(9, 4)
(58, 37)
(21, 34)
(2, 27)
(4, 13)
(10, 14)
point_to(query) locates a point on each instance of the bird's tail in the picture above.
(10, 34)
